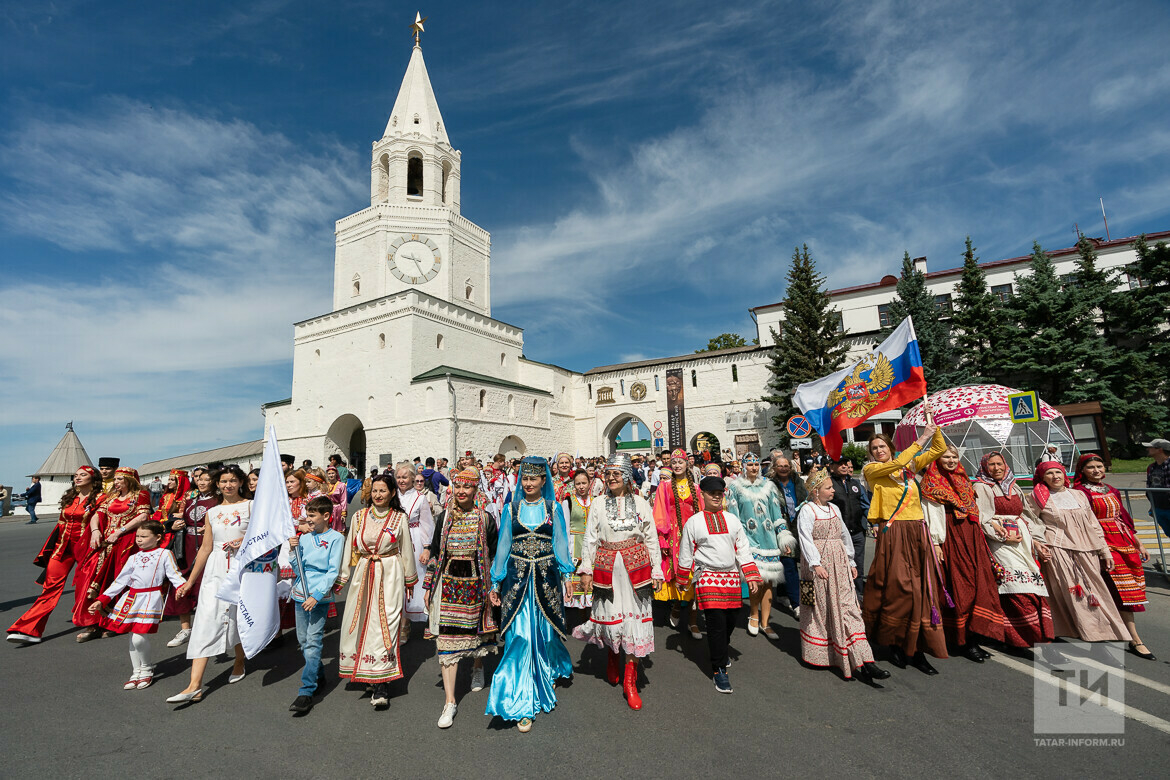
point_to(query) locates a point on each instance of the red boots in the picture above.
(613, 670)
(631, 685)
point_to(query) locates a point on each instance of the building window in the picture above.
(838, 321)
(694, 378)
(734, 373)
(656, 383)
(884, 315)
(381, 341)
(511, 406)
(446, 176)
(503, 359)
(943, 305)
(414, 177)
(482, 398)
(416, 119)
(622, 386)
(439, 341)
(1135, 281)
(1069, 281)
(357, 286)
(590, 391)
(1002, 291)
(534, 409)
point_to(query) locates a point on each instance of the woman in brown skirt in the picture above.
(948, 501)
(903, 589)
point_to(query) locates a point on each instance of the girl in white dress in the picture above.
(140, 589)
(214, 630)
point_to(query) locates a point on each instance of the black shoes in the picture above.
(897, 657)
(920, 663)
(973, 652)
(381, 696)
(302, 704)
(871, 671)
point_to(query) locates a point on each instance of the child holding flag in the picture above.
(317, 554)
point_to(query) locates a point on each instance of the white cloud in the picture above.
(929, 125)
(222, 234)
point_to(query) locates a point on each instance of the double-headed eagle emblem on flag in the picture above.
(863, 389)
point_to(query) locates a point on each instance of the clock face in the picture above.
(414, 259)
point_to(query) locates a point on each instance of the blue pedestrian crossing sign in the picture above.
(1024, 407)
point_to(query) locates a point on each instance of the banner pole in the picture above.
(926, 407)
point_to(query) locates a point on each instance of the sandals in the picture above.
(88, 634)
(770, 633)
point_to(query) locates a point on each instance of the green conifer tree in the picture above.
(974, 323)
(1052, 344)
(915, 300)
(811, 344)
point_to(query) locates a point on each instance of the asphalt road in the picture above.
(64, 713)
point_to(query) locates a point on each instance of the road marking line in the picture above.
(1129, 676)
(1153, 721)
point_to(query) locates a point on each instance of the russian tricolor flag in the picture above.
(888, 377)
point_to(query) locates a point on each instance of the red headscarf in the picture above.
(950, 487)
(1085, 460)
(1040, 491)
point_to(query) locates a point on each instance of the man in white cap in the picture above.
(1158, 476)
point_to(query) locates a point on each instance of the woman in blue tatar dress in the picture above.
(532, 557)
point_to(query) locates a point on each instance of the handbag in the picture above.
(808, 594)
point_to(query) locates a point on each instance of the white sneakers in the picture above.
(180, 638)
(448, 716)
(477, 679)
(23, 639)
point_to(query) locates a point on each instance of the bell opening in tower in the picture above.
(414, 177)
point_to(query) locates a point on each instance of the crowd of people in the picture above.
(515, 556)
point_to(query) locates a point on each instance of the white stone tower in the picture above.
(412, 235)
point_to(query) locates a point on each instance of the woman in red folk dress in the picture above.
(1127, 580)
(67, 545)
(111, 543)
(189, 527)
(676, 501)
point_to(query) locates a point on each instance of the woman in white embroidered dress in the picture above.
(379, 567)
(621, 563)
(214, 629)
(422, 529)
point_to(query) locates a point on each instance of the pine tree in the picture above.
(913, 299)
(974, 323)
(1131, 366)
(1051, 343)
(811, 344)
(724, 341)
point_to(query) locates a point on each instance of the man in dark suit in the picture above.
(32, 497)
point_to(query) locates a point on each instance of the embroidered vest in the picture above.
(531, 562)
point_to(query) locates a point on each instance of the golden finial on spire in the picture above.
(417, 27)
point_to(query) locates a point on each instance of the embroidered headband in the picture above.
(679, 453)
(465, 477)
(749, 457)
(126, 471)
(533, 469)
(88, 470)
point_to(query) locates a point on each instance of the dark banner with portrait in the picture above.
(676, 423)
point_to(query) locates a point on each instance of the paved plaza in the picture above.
(66, 714)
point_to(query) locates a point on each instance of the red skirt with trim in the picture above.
(718, 590)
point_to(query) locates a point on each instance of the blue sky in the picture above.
(170, 174)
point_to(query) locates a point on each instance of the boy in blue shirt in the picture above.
(319, 551)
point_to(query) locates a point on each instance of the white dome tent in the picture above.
(977, 420)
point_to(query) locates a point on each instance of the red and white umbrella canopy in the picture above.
(970, 402)
(977, 419)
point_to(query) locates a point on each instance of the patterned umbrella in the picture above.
(977, 420)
